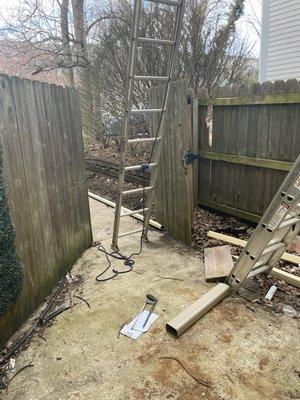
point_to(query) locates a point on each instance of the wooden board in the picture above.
(218, 263)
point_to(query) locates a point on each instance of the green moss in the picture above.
(11, 275)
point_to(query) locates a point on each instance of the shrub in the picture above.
(11, 275)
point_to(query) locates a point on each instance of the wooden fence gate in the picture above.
(174, 192)
(45, 175)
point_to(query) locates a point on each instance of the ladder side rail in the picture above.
(130, 80)
(247, 260)
(158, 147)
(245, 265)
(276, 255)
(290, 235)
(268, 224)
(287, 234)
(286, 199)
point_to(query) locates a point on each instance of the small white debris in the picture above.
(12, 364)
(289, 310)
(271, 292)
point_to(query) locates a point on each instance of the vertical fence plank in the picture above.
(196, 150)
(45, 132)
(205, 177)
(83, 199)
(241, 186)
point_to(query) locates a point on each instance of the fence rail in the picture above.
(111, 169)
(46, 186)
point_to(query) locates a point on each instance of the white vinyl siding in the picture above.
(280, 44)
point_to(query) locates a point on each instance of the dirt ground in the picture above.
(245, 352)
(204, 220)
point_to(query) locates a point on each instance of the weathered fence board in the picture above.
(254, 141)
(46, 186)
(174, 189)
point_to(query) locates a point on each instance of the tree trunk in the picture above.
(64, 27)
(81, 54)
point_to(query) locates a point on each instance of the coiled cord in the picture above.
(128, 261)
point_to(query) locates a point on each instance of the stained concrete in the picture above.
(245, 354)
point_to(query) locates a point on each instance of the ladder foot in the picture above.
(145, 238)
(114, 246)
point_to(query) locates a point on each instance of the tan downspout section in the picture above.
(195, 311)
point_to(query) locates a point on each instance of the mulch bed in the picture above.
(106, 187)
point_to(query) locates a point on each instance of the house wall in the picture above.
(280, 42)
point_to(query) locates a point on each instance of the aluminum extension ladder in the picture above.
(275, 231)
(151, 165)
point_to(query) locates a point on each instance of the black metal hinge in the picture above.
(189, 99)
(190, 157)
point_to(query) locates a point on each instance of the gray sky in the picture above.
(253, 13)
(252, 10)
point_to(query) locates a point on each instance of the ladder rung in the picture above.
(155, 41)
(150, 78)
(137, 167)
(258, 264)
(257, 271)
(139, 190)
(289, 222)
(167, 2)
(144, 140)
(130, 233)
(147, 110)
(273, 247)
(141, 211)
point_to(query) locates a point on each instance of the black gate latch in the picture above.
(190, 157)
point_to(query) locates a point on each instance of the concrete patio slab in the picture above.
(245, 354)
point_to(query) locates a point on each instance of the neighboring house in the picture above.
(20, 60)
(280, 40)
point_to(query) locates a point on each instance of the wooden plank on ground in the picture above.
(218, 263)
(291, 258)
(285, 276)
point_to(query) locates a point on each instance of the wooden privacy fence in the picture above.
(248, 139)
(46, 186)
